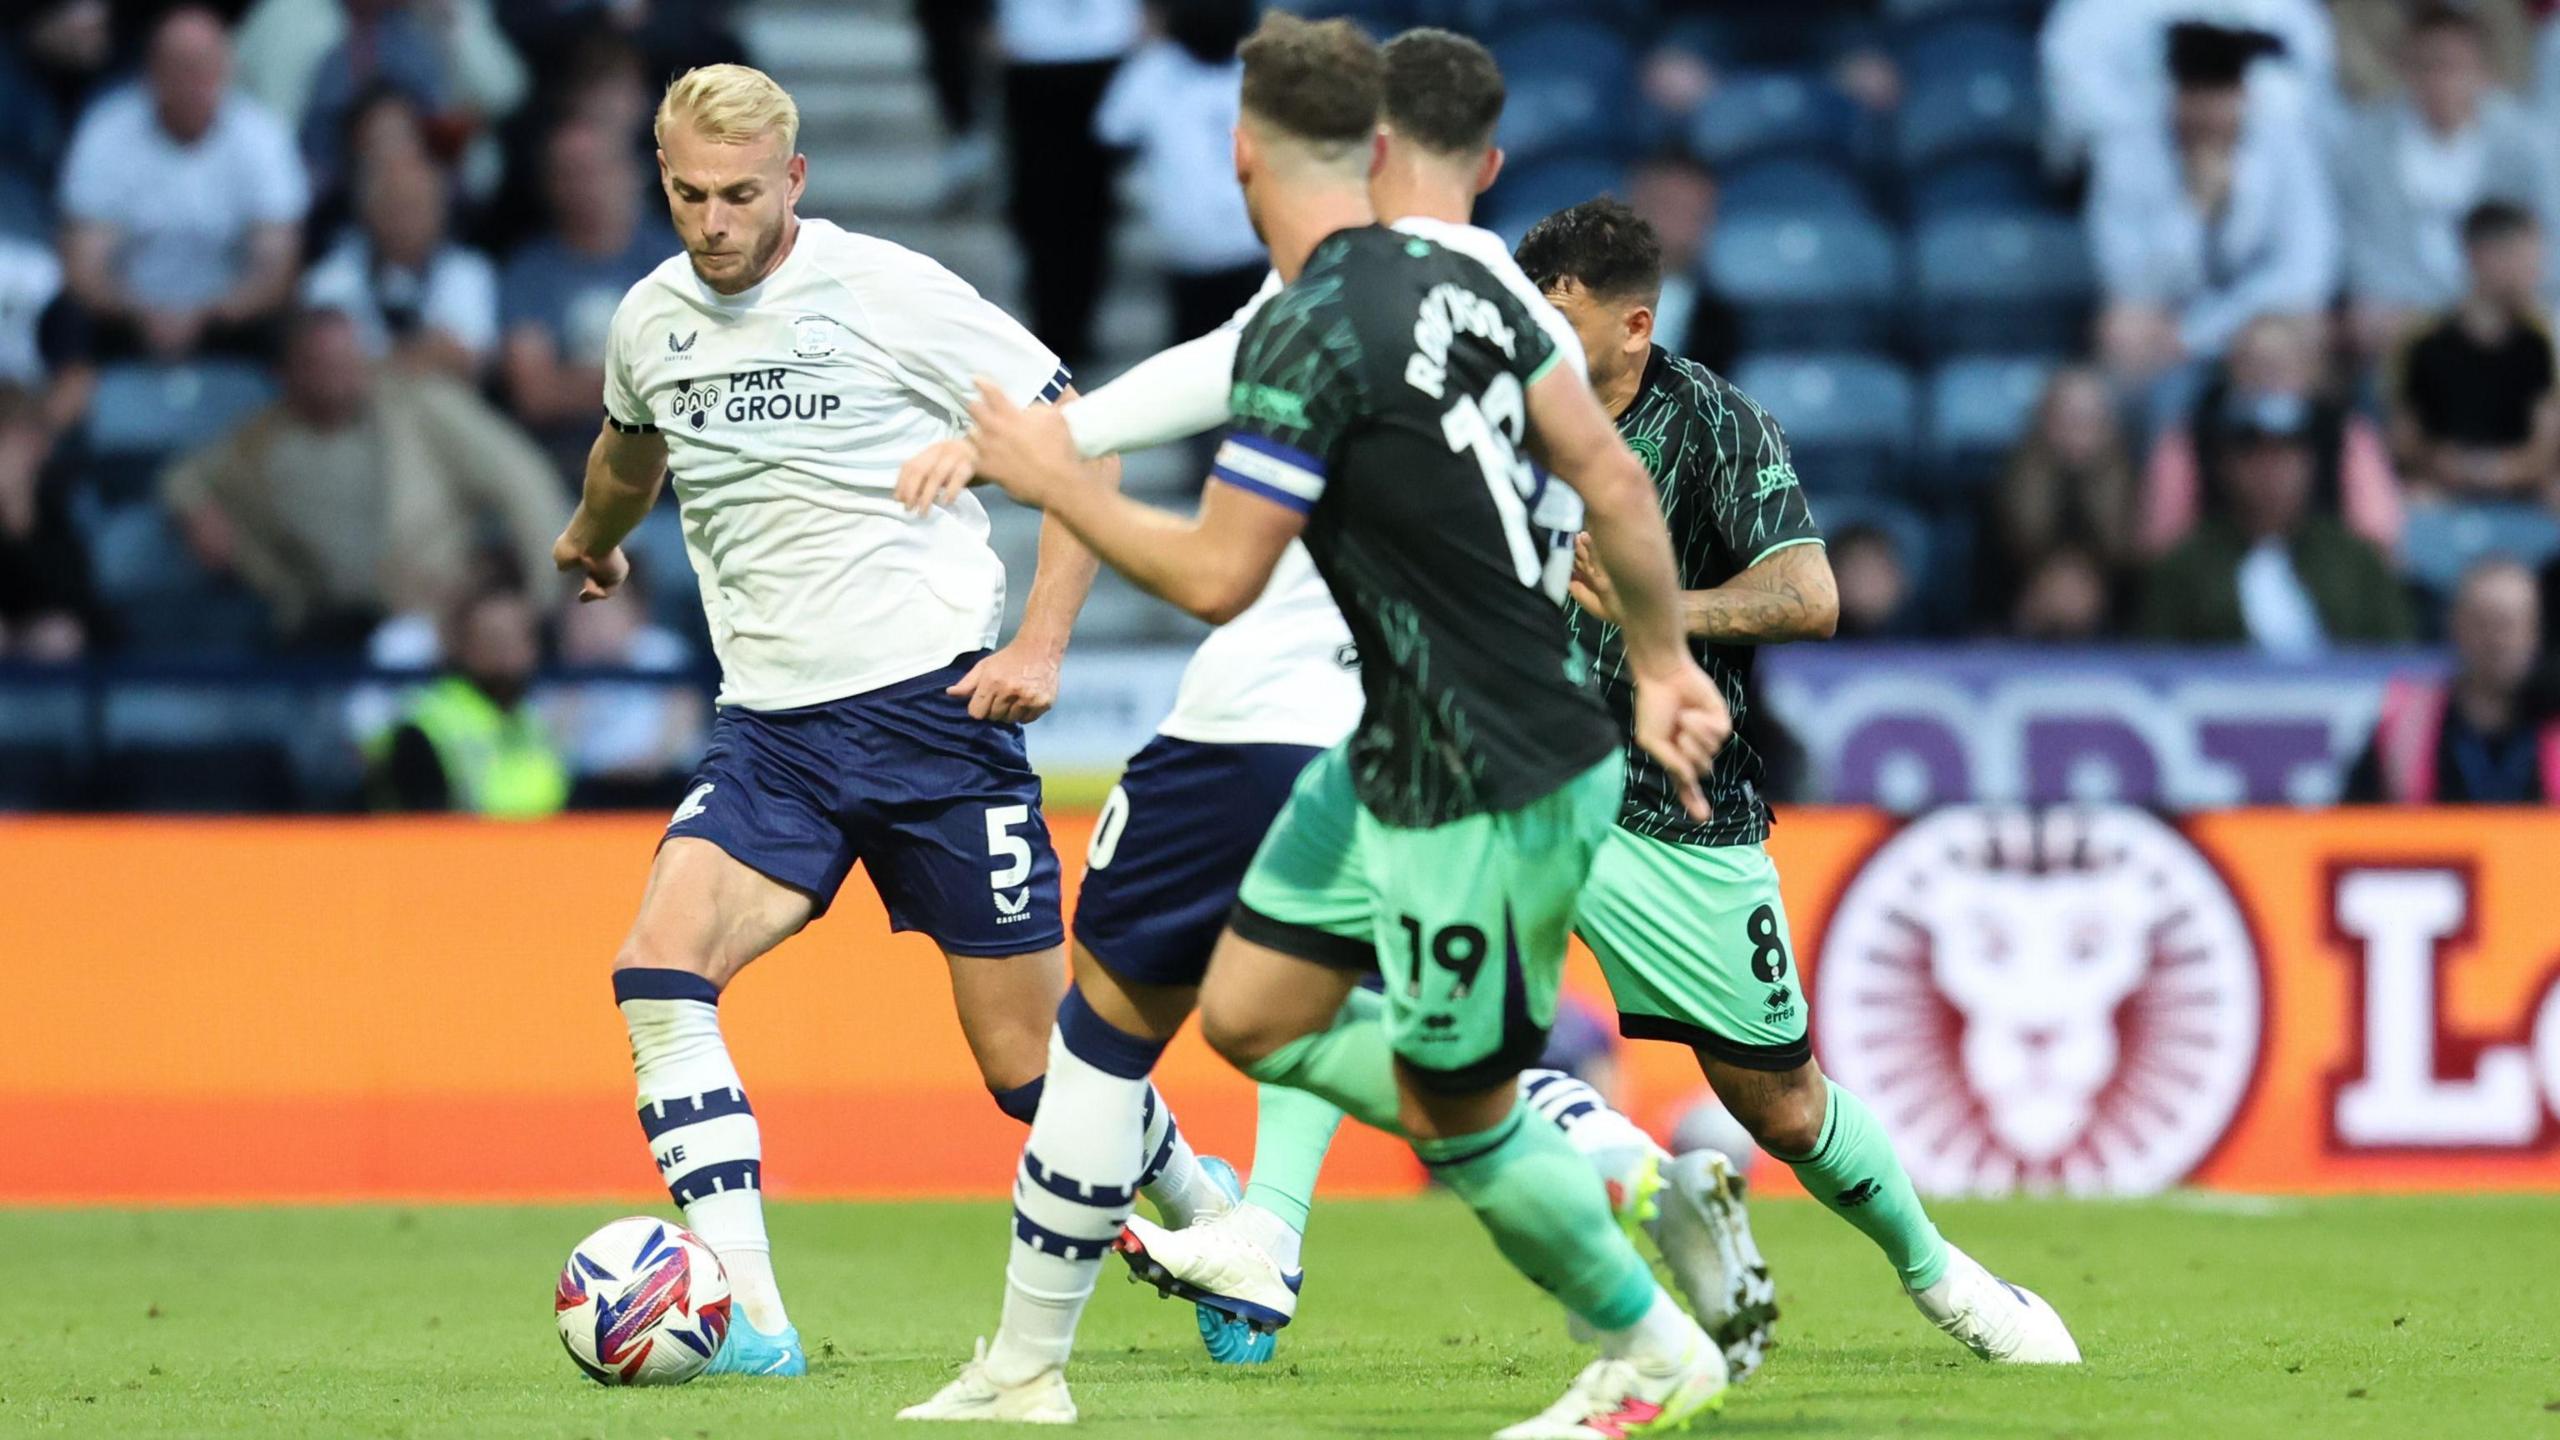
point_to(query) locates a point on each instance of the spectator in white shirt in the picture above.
(2410, 169)
(2105, 65)
(181, 200)
(415, 296)
(2220, 217)
(1174, 105)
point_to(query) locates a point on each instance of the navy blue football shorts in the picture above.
(943, 810)
(1170, 848)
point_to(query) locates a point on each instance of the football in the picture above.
(642, 1302)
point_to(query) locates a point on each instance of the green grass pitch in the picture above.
(2199, 1318)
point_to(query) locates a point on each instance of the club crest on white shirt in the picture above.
(813, 337)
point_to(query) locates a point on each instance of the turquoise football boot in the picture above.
(749, 1351)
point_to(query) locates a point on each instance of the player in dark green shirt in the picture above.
(1388, 402)
(1685, 914)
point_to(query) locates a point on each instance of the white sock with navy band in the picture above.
(1615, 1145)
(1077, 1184)
(701, 1130)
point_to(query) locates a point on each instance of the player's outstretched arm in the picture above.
(624, 471)
(1680, 717)
(1212, 565)
(1019, 683)
(1788, 595)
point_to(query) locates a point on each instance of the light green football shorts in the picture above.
(1467, 921)
(1694, 942)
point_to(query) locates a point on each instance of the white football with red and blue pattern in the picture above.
(642, 1302)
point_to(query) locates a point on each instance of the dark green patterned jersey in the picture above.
(1731, 497)
(1384, 396)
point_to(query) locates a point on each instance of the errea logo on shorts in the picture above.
(1014, 868)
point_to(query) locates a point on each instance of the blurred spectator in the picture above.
(51, 56)
(559, 292)
(1836, 36)
(44, 573)
(416, 297)
(955, 40)
(2265, 567)
(1874, 582)
(2409, 171)
(602, 82)
(181, 199)
(2373, 43)
(2106, 72)
(315, 62)
(2221, 216)
(2277, 359)
(1676, 194)
(2546, 74)
(2476, 411)
(671, 36)
(1059, 60)
(469, 743)
(2484, 738)
(2063, 515)
(1174, 106)
(629, 743)
(361, 494)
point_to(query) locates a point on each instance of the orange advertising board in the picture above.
(253, 1011)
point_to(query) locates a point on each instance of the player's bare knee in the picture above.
(1246, 1040)
(645, 952)
(1785, 1117)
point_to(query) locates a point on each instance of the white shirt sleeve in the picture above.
(1160, 399)
(91, 173)
(1121, 120)
(623, 404)
(943, 334)
(276, 189)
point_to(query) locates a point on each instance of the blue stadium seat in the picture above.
(144, 414)
(1848, 417)
(1775, 112)
(2008, 284)
(222, 778)
(163, 602)
(1973, 90)
(2021, 12)
(1496, 19)
(1732, 38)
(1571, 89)
(2442, 541)
(1809, 282)
(1530, 193)
(1978, 408)
(2000, 183)
(25, 210)
(1792, 185)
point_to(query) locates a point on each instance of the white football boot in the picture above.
(1213, 1263)
(1615, 1399)
(1040, 1400)
(1994, 1319)
(1704, 1237)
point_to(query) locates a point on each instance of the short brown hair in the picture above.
(1318, 82)
(1444, 91)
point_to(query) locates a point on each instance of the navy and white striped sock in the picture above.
(702, 1133)
(1078, 1181)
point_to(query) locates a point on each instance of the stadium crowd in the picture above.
(2216, 322)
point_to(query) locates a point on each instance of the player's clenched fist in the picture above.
(1015, 685)
(1681, 720)
(603, 574)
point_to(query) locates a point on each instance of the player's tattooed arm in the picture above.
(624, 471)
(1789, 595)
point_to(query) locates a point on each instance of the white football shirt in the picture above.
(1285, 671)
(787, 410)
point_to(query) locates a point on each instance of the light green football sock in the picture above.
(1292, 1132)
(1855, 1174)
(1352, 1065)
(1549, 1216)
